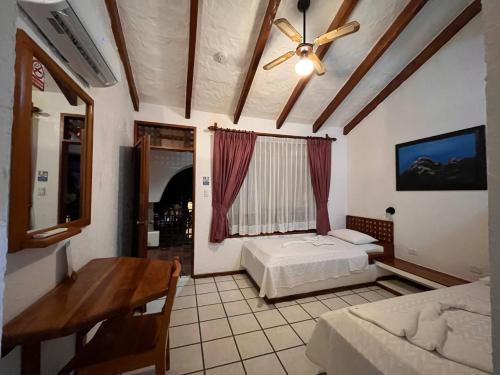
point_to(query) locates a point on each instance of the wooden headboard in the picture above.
(382, 230)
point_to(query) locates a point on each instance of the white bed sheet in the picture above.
(345, 344)
(274, 266)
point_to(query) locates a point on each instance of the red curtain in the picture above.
(231, 157)
(319, 153)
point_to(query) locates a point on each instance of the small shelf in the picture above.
(33, 243)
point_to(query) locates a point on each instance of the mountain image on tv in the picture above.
(453, 161)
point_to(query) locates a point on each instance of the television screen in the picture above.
(452, 161)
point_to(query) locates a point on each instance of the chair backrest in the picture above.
(172, 288)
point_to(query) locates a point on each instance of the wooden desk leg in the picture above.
(30, 359)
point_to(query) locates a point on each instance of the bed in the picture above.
(283, 266)
(347, 343)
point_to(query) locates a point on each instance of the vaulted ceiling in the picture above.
(157, 37)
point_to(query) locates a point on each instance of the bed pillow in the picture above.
(352, 236)
(371, 248)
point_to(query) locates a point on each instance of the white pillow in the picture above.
(352, 236)
(371, 248)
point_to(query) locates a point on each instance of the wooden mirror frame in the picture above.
(21, 173)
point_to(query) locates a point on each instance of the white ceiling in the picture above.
(157, 31)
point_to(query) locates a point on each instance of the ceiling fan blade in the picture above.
(347, 29)
(287, 29)
(318, 65)
(279, 60)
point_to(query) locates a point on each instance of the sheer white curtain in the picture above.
(277, 194)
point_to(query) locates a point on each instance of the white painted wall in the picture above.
(449, 228)
(491, 15)
(226, 256)
(33, 272)
(163, 166)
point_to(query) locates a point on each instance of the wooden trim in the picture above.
(340, 18)
(265, 30)
(215, 127)
(116, 26)
(405, 17)
(439, 41)
(21, 169)
(214, 274)
(193, 25)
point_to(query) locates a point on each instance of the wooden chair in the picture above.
(129, 342)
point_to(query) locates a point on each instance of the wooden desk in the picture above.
(104, 288)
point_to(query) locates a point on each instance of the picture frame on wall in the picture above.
(451, 161)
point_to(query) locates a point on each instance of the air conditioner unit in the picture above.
(76, 30)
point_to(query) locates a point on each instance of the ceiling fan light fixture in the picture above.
(304, 66)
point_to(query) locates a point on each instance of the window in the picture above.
(277, 194)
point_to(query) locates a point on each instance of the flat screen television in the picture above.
(451, 161)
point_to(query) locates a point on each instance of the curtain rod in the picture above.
(215, 127)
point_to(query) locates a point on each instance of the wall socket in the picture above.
(476, 270)
(412, 251)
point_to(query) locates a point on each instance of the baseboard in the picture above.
(225, 273)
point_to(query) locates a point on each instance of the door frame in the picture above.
(144, 144)
(137, 123)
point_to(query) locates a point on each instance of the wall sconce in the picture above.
(390, 210)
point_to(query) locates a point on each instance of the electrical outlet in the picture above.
(476, 270)
(412, 251)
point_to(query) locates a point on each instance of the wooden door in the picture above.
(142, 152)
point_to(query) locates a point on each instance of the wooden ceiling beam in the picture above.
(193, 27)
(437, 43)
(117, 29)
(396, 28)
(340, 19)
(265, 30)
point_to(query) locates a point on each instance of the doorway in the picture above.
(169, 214)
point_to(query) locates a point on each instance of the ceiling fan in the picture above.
(309, 61)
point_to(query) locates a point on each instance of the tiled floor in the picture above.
(220, 326)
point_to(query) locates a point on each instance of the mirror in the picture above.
(51, 163)
(58, 128)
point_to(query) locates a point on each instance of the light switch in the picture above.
(205, 193)
(41, 191)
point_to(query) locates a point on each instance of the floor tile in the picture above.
(223, 278)
(236, 308)
(244, 283)
(226, 285)
(294, 313)
(184, 316)
(267, 364)
(243, 323)
(240, 276)
(335, 303)
(296, 362)
(210, 312)
(282, 337)
(185, 280)
(208, 299)
(185, 360)
(306, 300)
(375, 287)
(220, 352)
(361, 290)
(231, 295)
(344, 293)
(184, 335)
(372, 296)
(304, 329)
(204, 280)
(326, 296)
(249, 293)
(354, 299)
(285, 304)
(232, 369)
(206, 288)
(258, 304)
(215, 329)
(156, 306)
(252, 344)
(315, 309)
(270, 318)
(184, 302)
(187, 290)
(386, 293)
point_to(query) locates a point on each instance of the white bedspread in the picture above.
(301, 261)
(342, 343)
